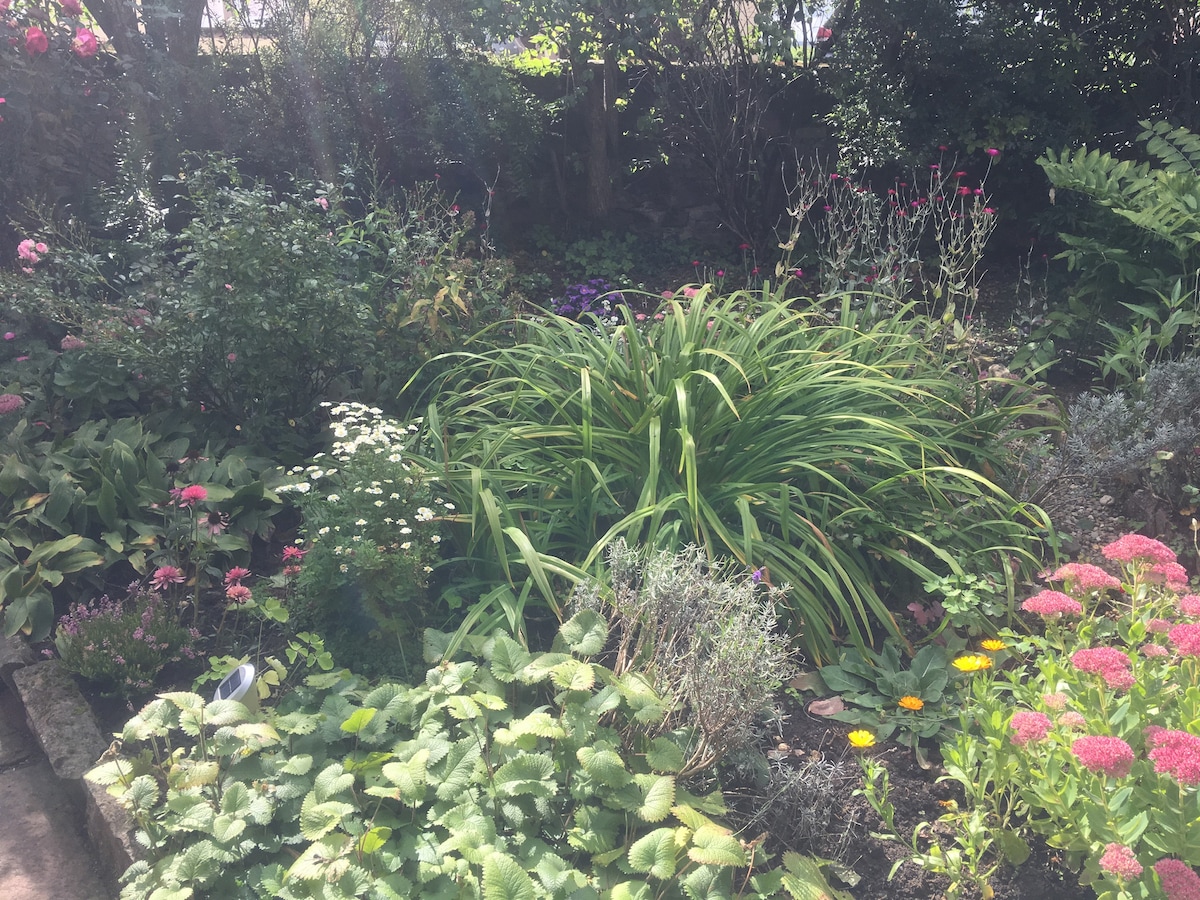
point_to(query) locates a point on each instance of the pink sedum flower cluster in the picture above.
(1119, 860)
(1186, 638)
(1029, 726)
(1189, 605)
(1176, 753)
(1085, 578)
(1103, 754)
(1109, 663)
(1179, 880)
(1052, 604)
(1137, 547)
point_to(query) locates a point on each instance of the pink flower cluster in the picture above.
(1133, 547)
(1085, 578)
(10, 403)
(1119, 860)
(1186, 638)
(1179, 880)
(31, 251)
(1109, 663)
(1189, 605)
(1176, 753)
(1052, 604)
(1101, 753)
(1029, 726)
(190, 495)
(1172, 574)
(235, 591)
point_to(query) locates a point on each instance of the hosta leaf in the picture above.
(658, 793)
(317, 818)
(585, 633)
(508, 658)
(655, 853)
(573, 675)
(713, 845)
(504, 879)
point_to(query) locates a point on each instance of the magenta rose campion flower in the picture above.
(36, 41)
(71, 7)
(85, 45)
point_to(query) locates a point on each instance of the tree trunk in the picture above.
(600, 130)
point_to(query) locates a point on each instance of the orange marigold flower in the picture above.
(861, 738)
(992, 645)
(910, 702)
(973, 662)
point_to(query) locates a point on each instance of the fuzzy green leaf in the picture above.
(318, 818)
(603, 764)
(631, 890)
(508, 658)
(455, 774)
(332, 780)
(227, 828)
(665, 755)
(298, 765)
(373, 840)
(585, 633)
(504, 879)
(409, 777)
(573, 675)
(805, 881)
(528, 773)
(323, 860)
(655, 854)
(658, 793)
(713, 845)
(359, 720)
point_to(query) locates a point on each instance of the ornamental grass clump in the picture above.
(1091, 739)
(846, 463)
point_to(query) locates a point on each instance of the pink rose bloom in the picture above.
(1176, 753)
(71, 7)
(1186, 638)
(85, 45)
(1029, 726)
(27, 250)
(1179, 880)
(1189, 605)
(165, 575)
(1052, 604)
(1106, 755)
(10, 336)
(323, 203)
(1085, 578)
(36, 41)
(10, 403)
(1119, 860)
(40, 247)
(192, 494)
(1131, 547)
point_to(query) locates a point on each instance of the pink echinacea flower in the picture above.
(165, 575)
(193, 493)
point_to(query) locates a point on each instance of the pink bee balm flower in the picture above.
(1179, 880)
(10, 403)
(1131, 547)
(236, 574)
(237, 593)
(1103, 754)
(1186, 638)
(193, 493)
(1085, 578)
(1189, 605)
(165, 575)
(1176, 753)
(84, 45)
(1029, 726)
(1119, 860)
(1052, 604)
(36, 41)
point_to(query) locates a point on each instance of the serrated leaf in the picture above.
(655, 853)
(585, 633)
(358, 720)
(705, 883)
(300, 764)
(322, 860)
(658, 793)
(332, 780)
(713, 845)
(193, 774)
(631, 890)
(374, 840)
(319, 818)
(805, 881)
(605, 765)
(573, 675)
(409, 777)
(227, 828)
(527, 773)
(504, 879)
(665, 755)
(463, 708)
(236, 799)
(508, 658)
(457, 770)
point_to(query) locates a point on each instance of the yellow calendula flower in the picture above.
(861, 739)
(992, 645)
(973, 662)
(910, 702)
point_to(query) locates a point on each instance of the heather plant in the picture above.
(1089, 738)
(842, 462)
(373, 528)
(505, 773)
(122, 645)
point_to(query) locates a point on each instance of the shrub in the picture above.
(515, 775)
(842, 463)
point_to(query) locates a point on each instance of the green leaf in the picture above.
(527, 773)
(333, 779)
(655, 853)
(227, 828)
(359, 720)
(374, 840)
(805, 881)
(455, 773)
(504, 879)
(573, 675)
(508, 658)
(585, 633)
(658, 793)
(665, 755)
(713, 845)
(603, 764)
(317, 819)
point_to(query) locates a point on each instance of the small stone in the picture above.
(1107, 500)
(782, 746)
